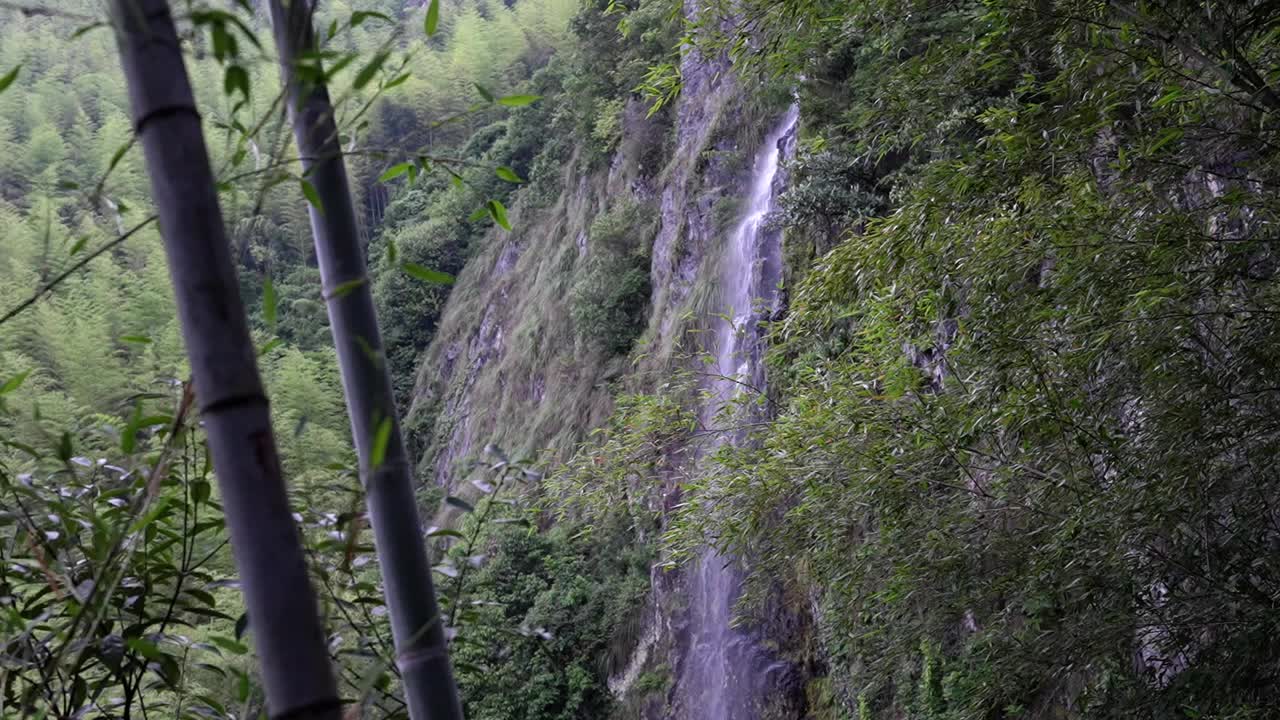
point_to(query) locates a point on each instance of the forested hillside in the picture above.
(797, 359)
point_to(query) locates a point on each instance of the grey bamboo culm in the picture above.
(416, 623)
(287, 633)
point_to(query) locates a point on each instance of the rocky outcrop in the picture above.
(506, 368)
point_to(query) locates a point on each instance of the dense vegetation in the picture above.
(118, 588)
(1024, 465)
(1016, 457)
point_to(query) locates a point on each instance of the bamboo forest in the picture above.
(640, 359)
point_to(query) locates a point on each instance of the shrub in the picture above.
(611, 294)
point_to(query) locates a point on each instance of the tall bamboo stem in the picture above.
(416, 624)
(288, 636)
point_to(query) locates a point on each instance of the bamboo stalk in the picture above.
(416, 623)
(288, 636)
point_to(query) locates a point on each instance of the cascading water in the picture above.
(725, 670)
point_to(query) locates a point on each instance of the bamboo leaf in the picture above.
(519, 100)
(66, 448)
(499, 214)
(395, 171)
(427, 274)
(381, 438)
(269, 303)
(229, 645)
(8, 79)
(200, 490)
(345, 288)
(313, 197)
(400, 79)
(236, 78)
(144, 648)
(358, 17)
(432, 22)
(367, 73)
(509, 174)
(119, 154)
(459, 503)
(85, 29)
(14, 382)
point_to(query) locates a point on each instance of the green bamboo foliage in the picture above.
(282, 608)
(417, 626)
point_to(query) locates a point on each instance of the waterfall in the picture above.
(725, 671)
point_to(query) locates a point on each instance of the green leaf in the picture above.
(313, 197)
(432, 22)
(509, 174)
(459, 503)
(144, 648)
(395, 171)
(242, 626)
(499, 214)
(367, 73)
(427, 274)
(445, 532)
(269, 303)
(119, 154)
(360, 16)
(14, 382)
(381, 438)
(519, 100)
(231, 646)
(224, 43)
(129, 438)
(8, 79)
(484, 92)
(79, 691)
(136, 339)
(65, 447)
(85, 29)
(79, 245)
(345, 288)
(200, 490)
(203, 596)
(400, 79)
(271, 344)
(1168, 135)
(161, 506)
(1168, 98)
(236, 79)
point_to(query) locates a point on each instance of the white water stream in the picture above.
(725, 671)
